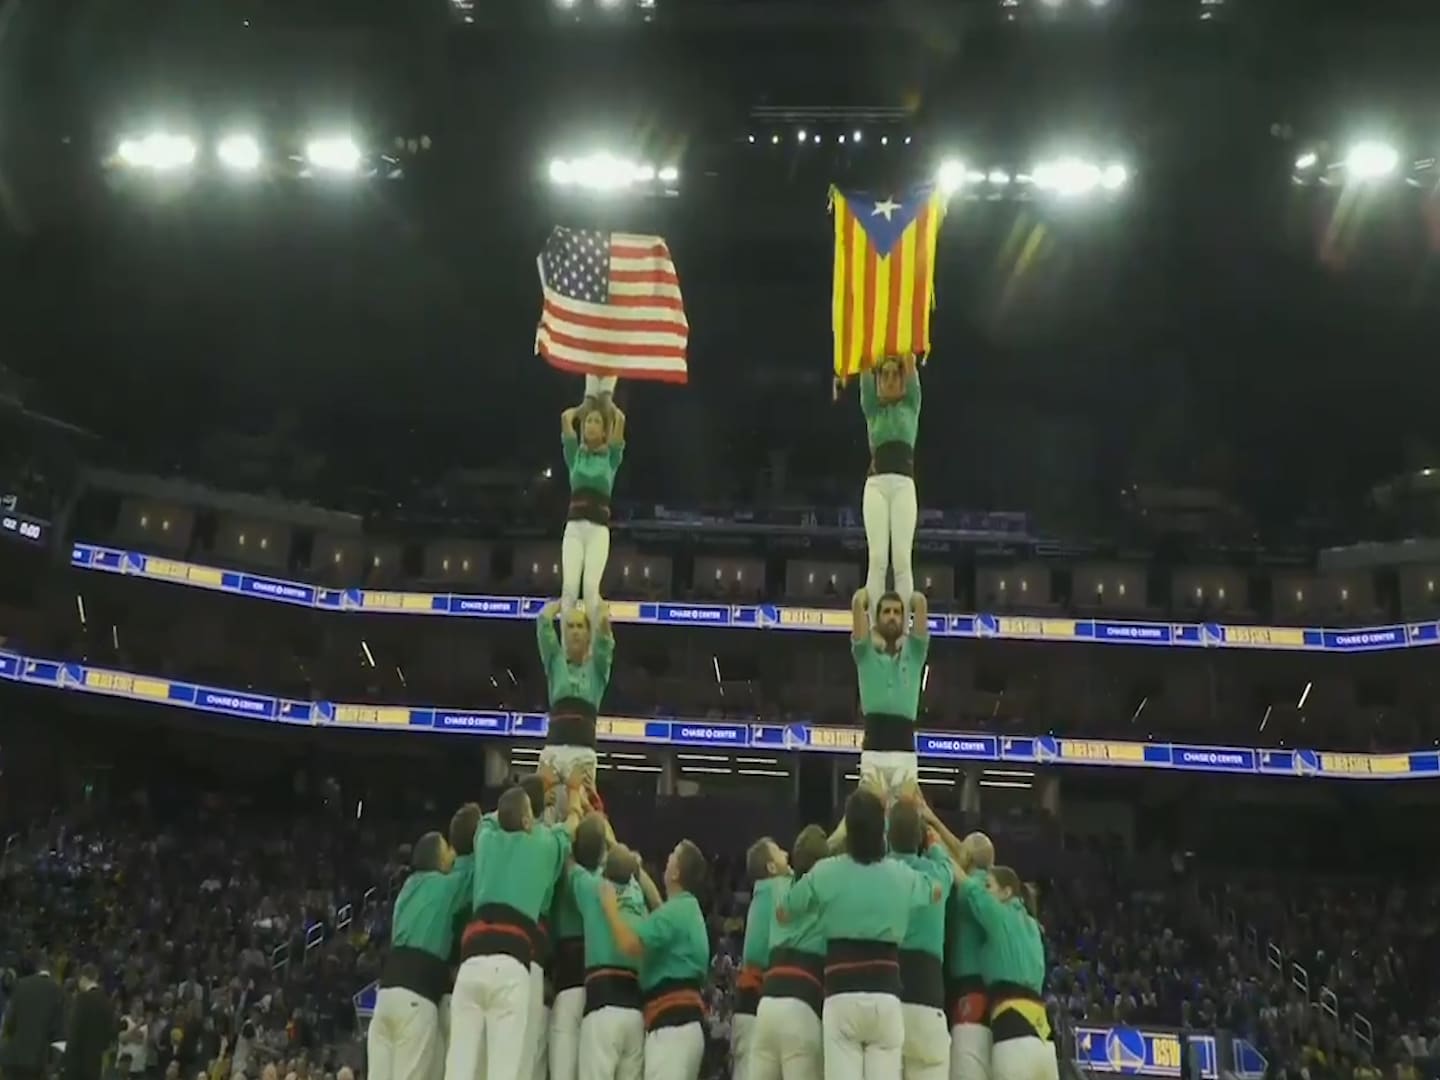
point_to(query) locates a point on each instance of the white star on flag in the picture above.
(888, 207)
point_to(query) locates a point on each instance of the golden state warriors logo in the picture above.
(1125, 1050)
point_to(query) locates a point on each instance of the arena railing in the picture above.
(1325, 1000)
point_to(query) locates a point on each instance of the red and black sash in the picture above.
(747, 989)
(796, 974)
(674, 1003)
(500, 930)
(870, 967)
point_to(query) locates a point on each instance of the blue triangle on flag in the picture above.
(886, 217)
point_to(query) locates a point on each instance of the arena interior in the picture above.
(294, 562)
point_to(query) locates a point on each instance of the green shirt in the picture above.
(861, 901)
(593, 470)
(566, 919)
(897, 421)
(804, 932)
(1013, 951)
(426, 908)
(756, 951)
(926, 932)
(601, 951)
(518, 869)
(586, 680)
(967, 936)
(890, 683)
(677, 944)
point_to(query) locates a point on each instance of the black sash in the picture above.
(674, 1003)
(886, 732)
(617, 988)
(870, 967)
(796, 974)
(922, 979)
(500, 930)
(587, 504)
(894, 458)
(572, 723)
(416, 970)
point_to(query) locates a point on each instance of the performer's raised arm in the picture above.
(920, 613)
(860, 617)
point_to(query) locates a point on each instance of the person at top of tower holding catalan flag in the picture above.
(882, 300)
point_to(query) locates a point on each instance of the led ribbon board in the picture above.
(665, 731)
(758, 616)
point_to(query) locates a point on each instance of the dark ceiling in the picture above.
(1215, 326)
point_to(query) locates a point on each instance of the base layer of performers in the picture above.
(527, 944)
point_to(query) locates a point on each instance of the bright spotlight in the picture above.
(669, 174)
(1114, 177)
(855, 136)
(950, 176)
(801, 136)
(239, 152)
(1307, 160)
(774, 140)
(644, 173)
(158, 151)
(1068, 177)
(1371, 160)
(560, 172)
(334, 154)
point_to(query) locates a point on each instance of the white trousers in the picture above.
(565, 760)
(584, 551)
(542, 1045)
(1030, 1058)
(535, 1023)
(970, 1052)
(926, 1052)
(565, 1016)
(595, 385)
(891, 511)
(788, 1043)
(889, 770)
(404, 1041)
(864, 1034)
(612, 1044)
(674, 1053)
(489, 1020)
(742, 1042)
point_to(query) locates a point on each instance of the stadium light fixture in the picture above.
(1371, 160)
(1307, 160)
(605, 173)
(801, 135)
(1073, 177)
(158, 152)
(333, 153)
(950, 176)
(239, 152)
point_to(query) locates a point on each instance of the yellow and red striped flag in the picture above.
(884, 275)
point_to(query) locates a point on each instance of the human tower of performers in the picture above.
(887, 948)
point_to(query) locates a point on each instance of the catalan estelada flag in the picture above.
(884, 275)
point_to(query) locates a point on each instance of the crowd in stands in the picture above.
(234, 940)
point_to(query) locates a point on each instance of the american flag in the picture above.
(612, 306)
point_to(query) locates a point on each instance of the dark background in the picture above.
(1216, 327)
